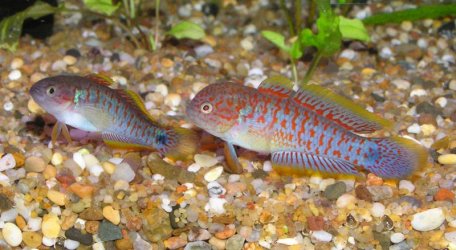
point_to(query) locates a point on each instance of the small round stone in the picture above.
(71, 244)
(321, 236)
(70, 60)
(15, 75)
(447, 159)
(17, 63)
(56, 197)
(34, 164)
(7, 162)
(397, 237)
(407, 185)
(111, 214)
(205, 160)
(406, 25)
(12, 234)
(378, 209)
(428, 220)
(213, 174)
(173, 100)
(57, 159)
(8, 106)
(32, 239)
(50, 226)
(346, 200)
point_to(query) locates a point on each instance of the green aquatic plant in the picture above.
(423, 12)
(332, 29)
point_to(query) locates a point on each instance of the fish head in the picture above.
(216, 108)
(54, 94)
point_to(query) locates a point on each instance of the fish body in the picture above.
(88, 103)
(303, 130)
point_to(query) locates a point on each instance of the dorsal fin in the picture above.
(101, 78)
(278, 86)
(136, 101)
(342, 111)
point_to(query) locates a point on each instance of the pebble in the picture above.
(213, 174)
(215, 205)
(334, 191)
(428, 220)
(418, 92)
(15, 75)
(77, 235)
(205, 160)
(56, 197)
(173, 100)
(236, 242)
(8, 106)
(217, 243)
(82, 190)
(111, 214)
(321, 236)
(32, 239)
(70, 60)
(386, 53)
(12, 234)
(50, 226)
(452, 84)
(50, 242)
(17, 63)
(378, 209)
(444, 194)
(34, 164)
(427, 129)
(451, 237)
(407, 185)
(247, 43)
(346, 201)
(401, 84)
(34, 224)
(397, 237)
(175, 242)
(447, 159)
(70, 244)
(108, 231)
(199, 245)
(348, 54)
(59, 65)
(380, 192)
(123, 172)
(7, 162)
(406, 26)
(203, 50)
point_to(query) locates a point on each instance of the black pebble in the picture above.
(210, 9)
(73, 52)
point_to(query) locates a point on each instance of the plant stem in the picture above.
(126, 29)
(289, 19)
(311, 16)
(294, 70)
(311, 69)
(297, 16)
(157, 20)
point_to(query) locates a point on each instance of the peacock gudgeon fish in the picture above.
(311, 129)
(88, 103)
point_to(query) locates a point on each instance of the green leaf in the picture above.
(307, 38)
(11, 27)
(276, 38)
(342, 1)
(186, 29)
(152, 42)
(295, 51)
(353, 29)
(105, 7)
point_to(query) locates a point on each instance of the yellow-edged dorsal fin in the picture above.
(136, 102)
(278, 86)
(101, 78)
(340, 110)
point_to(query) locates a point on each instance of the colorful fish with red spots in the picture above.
(311, 129)
(88, 103)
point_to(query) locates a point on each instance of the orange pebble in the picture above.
(82, 190)
(444, 194)
(373, 180)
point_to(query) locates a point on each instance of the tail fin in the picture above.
(182, 143)
(396, 157)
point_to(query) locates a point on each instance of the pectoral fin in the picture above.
(234, 166)
(291, 162)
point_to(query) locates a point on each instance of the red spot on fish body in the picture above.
(283, 124)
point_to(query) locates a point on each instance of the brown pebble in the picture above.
(427, 118)
(226, 233)
(124, 244)
(363, 193)
(91, 213)
(175, 242)
(92, 226)
(68, 221)
(32, 239)
(315, 223)
(82, 190)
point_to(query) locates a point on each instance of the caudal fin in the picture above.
(183, 144)
(396, 157)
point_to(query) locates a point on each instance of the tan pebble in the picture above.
(173, 100)
(205, 160)
(226, 233)
(427, 129)
(109, 167)
(111, 214)
(16, 63)
(68, 221)
(92, 226)
(373, 180)
(12, 234)
(57, 159)
(213, 174)
(50, 226)
(82, 190)
(447, 159)
(368, 72)
(49, 172)
(124, 244)
(217, 243)
(34, 164)
(166, 62)
(34, 107)
(210, 40)
(32, 239)
(70, 60)
(20, 222)
(175, 242)
(56, 197)
(36, 77)
(346, 201)
(19, 158)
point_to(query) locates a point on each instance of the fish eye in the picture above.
(50, 91)
(206, 108)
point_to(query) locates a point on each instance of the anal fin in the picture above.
(292, 162)
(121, 142)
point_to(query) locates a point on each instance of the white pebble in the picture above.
(8, 215)
(15, 75)
(451, 237)
(213, 174)
(173, 100)
(414, 129)
(7, 162)
(267, 166)
(116, 160)
(90, 160)
(59, 65)
(401, 84)
(50, 242)
(418, 92)
(162, 89)
(321, 236)
(205, 160)
(448, 58)
(397, 238)
(325, 183)
(96, 170)
(8, 106)
(17, 63)
(70, 60)
(215, 205)
(345, 200)
(348, 54)
(12, 234)
(378, 209)
(203, 50)
(441, 101)
(288, 241)
(386, 53)
(428, 220)
(194, 168)
(247, 43)
(123, 172)
(57, 159)
(79, 159)
(70, 244)
(422, 43)
(34, 224)
(407, 185)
